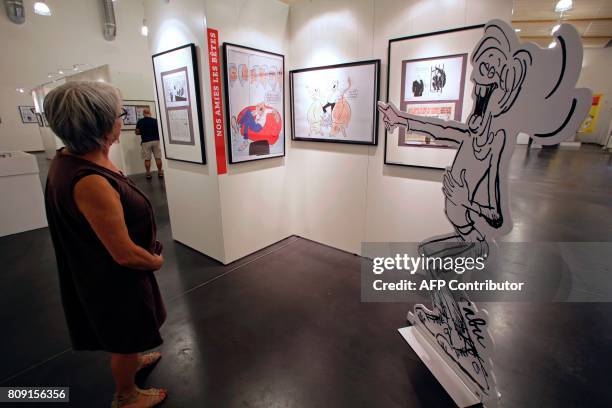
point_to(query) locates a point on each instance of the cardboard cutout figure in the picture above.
(517, 88)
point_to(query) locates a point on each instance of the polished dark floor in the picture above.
(285, 327)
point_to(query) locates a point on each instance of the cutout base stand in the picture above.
(452, 383)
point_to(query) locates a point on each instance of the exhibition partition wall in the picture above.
(334, 193)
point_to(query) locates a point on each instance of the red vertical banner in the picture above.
(215, 95)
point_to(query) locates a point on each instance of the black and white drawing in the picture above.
(178, 95)
(438, 78)
(28, 114)
(516, 88)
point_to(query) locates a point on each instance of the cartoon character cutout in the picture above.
(516, 88)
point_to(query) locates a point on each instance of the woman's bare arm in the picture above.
(99, 202)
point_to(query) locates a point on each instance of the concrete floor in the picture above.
(285, 327)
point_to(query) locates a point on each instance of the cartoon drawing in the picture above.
(253, 74)
(438, 78)
(243, 74)
(272, 78)
(315, 112)
(262, 75)
(233, 74)
(417, 87)
(340, 108)
(259, 122)
(517, 88)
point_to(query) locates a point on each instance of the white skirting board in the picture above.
(445, 375)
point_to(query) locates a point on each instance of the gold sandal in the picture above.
(140, 398)
(149, 359)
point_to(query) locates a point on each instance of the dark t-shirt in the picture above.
(148, 129)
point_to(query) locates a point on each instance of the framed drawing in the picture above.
(335, 103)
(39, 119)
(178, 95)
(428, 75)
(255, 103)
(44, 119)
(28, 114)
(135, 111)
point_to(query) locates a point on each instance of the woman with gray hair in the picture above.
(103, 230)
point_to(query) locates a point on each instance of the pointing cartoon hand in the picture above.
(391, 116)
(456, 192)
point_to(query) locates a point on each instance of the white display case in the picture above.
(22, 207)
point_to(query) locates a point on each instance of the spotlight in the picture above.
(518, 30)
(60, 72)
(144, 30)
(552, 44)
(41, 8)
(20, 90)
(563, 5)
(555, 28)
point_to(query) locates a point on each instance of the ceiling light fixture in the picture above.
(555, 28)
(552, 44)
(144, 30)
(41, 8)
(563, 5)
(518, 30)
(20, 90)
(60, 72)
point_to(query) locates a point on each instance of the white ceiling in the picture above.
(536, 18)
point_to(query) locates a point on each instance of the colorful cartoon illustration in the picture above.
(253, 74)
(259, 122)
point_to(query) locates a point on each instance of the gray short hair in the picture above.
(82, 113)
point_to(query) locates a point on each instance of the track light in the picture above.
(41, 8)
(144, 30)
(563, 5)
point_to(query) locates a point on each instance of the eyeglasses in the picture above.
(123, 114)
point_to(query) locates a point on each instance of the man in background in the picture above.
(146, 128)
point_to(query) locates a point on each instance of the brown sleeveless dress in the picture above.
(107, 306)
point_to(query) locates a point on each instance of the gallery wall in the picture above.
(192, 190)
(339, 195)
(72, 35)
(254, 195)
(345, 194)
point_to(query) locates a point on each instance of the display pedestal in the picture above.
(452, 383)
(22, 203)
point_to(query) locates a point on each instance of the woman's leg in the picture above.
(124, 367)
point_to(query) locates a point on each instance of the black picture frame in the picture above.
(32, 109)
(138, 103)
(197, 96)
(374, 141)
(408, 38)
(226, 100)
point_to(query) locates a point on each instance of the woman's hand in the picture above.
(391, 116)
(456, 191)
